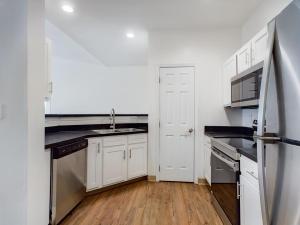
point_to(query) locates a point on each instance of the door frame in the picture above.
(158, 152)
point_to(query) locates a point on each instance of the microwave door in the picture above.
(249, 88)
(236, 91)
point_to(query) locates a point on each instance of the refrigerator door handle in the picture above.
(261, 123)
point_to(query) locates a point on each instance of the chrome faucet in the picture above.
(113, 119)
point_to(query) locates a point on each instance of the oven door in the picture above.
(224, 184)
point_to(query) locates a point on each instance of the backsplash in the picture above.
(248, 116)
(91, 120)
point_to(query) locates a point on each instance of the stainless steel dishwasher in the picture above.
(68, 172)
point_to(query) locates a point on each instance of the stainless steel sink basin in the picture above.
(121, 130)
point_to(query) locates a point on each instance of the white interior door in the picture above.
(177, 109)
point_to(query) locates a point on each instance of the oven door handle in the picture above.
(232, 165)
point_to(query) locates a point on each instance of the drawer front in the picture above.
(137, 138)
(249, 170)
(114, 141)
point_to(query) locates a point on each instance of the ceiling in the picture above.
(100, 25)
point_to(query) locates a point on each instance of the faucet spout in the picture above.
(113, 119)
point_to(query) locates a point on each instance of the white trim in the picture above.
(157, 158)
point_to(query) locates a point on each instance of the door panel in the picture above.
(114, 164)
(177, 124)
(94, 165)
(244, 57)
(250, 203)
(137, 160)
(259, 46)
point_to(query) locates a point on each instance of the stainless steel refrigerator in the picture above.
(279, 121)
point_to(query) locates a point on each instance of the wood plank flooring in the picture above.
(147, 203)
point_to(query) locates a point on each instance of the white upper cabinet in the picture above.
(229, 71)
(244, 57)
(259, 46)
(94, 164)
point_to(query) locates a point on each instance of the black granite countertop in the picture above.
(250, 153)
(228, 132)
(65, 137)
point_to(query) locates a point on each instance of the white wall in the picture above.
(263, 14)
(24, 183)
(82, 84)
(206, 51)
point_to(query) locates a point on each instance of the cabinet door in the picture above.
(137, 160)
(114, 164)
(250, 203)
(244, 57)
(94, 165)
(229, 71)
(207, 171)
(259, 46)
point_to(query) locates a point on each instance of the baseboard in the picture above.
(152, 178)
(202, 182)
(116, 186)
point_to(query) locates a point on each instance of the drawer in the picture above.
(137, 138)
(114, 141)
(249, 169)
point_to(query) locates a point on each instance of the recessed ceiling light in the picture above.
(67, 8)
(130, 35)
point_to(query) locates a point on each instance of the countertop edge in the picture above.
(53, 145)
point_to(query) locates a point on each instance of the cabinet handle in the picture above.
(98, 147)
(252, 174)
(238, 193)
(124, 155)
(130, 153)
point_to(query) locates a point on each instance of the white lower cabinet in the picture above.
(207, 156)
(249, 194)
(137, 160)
(114, 164)
(115, 159)
(94, 164)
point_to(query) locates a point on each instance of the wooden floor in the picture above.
(147, 203)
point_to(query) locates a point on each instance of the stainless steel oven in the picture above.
(245, 87)
(225, 185)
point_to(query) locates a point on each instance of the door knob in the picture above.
(191, 130)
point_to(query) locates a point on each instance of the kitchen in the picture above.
(150, 108)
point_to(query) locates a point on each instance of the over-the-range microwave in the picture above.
(245, 87)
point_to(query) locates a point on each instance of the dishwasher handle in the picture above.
(231, 164)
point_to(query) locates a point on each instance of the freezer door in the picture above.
(287, 69)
